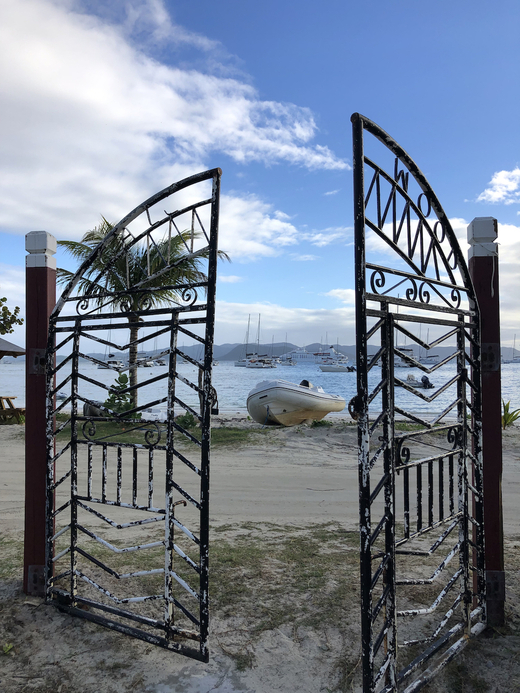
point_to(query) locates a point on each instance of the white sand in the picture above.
(297, 476)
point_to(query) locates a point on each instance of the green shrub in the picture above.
(118, 401)
(509, 417)
(186, 420)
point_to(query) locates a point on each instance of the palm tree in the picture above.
(126, 273)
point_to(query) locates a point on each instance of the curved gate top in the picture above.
(128, 422)
(418, 406)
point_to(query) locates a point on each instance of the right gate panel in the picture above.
(419, 423)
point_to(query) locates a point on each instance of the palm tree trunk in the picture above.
(132, 359)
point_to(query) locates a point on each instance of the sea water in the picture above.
(234, 383)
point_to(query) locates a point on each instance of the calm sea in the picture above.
(233, 384)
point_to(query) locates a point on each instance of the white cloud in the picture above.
(304, 258)
(332, 192)
(504, 187)
(330, 235)
(248, 230)
(301, 325)
(230, 279)
(347, 296)
(92, 124)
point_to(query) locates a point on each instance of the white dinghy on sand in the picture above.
(281, 403)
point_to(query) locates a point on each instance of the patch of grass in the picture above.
(11, 564)
(235, 436)
(462, 679)
(321, 423)
(135, 432)
(407, 426)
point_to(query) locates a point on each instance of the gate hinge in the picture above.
(36, 580)
(37, 361)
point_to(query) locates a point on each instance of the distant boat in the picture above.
(338, 367)
(260, 362)
(242, 363)
(303, 356)
(430, 360)
(279, 402)
(406, 360)
(115, 364)
(423, 383)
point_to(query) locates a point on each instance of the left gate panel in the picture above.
(128, 423)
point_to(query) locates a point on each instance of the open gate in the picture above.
(418, 407)
(128, 478)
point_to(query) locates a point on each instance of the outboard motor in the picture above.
(426, 382)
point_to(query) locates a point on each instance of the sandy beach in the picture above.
(299, 482)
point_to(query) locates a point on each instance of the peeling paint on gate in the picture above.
(420, 490)
(127, 506)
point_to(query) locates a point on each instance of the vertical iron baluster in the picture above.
(206, 423)
(89, 471)
(464, 527)
(430, 493)
(169, 525)
(150, 478)
(361, 407)
(406, 490)
(74, 471)
(50, 499)
(419, 498)
(387, 374)
(134, 476)
(451, 477)
(119, 474)
(441, 488)
(104, 469)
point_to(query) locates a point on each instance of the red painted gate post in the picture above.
(40, 299)
(483, 268)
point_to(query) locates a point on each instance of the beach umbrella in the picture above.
(10, 349)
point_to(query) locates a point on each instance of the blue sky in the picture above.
(104, 104)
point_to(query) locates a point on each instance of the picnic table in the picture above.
(8, 409)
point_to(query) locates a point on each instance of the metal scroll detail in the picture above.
(128, 422)
(420, 462)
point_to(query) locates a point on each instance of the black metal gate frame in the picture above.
(438, 297)
(86, 318)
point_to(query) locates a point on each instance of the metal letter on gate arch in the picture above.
(128, 423)
(418, 407)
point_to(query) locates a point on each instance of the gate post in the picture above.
(40, 299)
(483, 268)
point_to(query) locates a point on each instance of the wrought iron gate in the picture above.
(420, 465)
(128, 461)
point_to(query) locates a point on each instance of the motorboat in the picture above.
(260, 362)
(423, 383)
(338, 367)
(115, 364)
(279, 402)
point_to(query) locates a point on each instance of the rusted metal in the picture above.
(127, 495)
(420, 489)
